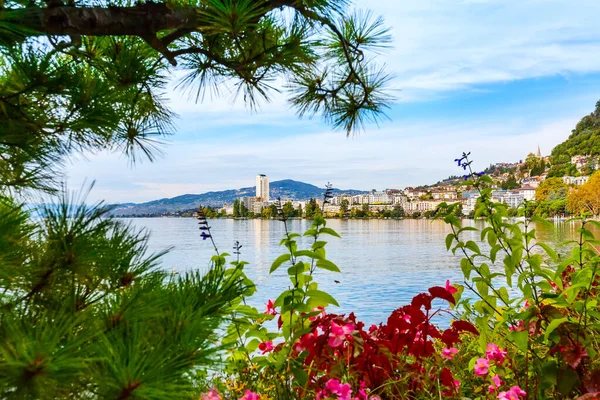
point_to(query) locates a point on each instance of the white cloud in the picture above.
(394, 157)
(441, 47)
(443, 44)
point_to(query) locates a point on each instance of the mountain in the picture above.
(584, 140)
(287, 189)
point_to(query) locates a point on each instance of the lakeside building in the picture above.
(379, 198)
(262, 187)
(249, 202)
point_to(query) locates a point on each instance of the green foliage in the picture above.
(84, 306)
(550, 322)
(510, 183)
(551, 189)
(584, 140)
(251, 328)
(103, 89)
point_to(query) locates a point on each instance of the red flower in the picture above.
(266, 347)
(451, 289)
(270, 308)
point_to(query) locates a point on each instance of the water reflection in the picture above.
(384, 263)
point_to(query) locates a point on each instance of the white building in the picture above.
(469, 205)
(262, 187)
(575, 180)
(512, 199)
(532, 181)
(379, 198)
(528, 193)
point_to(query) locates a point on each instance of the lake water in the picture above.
(384, 263)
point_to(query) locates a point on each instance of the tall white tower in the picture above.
(262, 187)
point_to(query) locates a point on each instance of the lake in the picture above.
(384, 263)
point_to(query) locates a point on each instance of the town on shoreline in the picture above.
(527, 184)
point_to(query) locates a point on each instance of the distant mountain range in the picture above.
(286, 189)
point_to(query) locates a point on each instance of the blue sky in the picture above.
(494, 77)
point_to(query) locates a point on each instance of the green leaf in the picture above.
(318, 244)
(449, 240)
(466, 267)
(543, 221)
(471, 245)
(300, 375)
(328, 265)
(297, 269)
(551, 253)
(520, 339)
(319, 295)
(278, 261)
(329, 231)
(553, 325)
(494, 251)
(307, 253)
(311, 232)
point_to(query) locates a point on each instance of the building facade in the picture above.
(262, 187)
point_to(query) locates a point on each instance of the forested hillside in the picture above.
(584, 140)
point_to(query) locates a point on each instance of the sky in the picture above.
(493, 77)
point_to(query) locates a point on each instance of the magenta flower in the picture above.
(495, 353)
(481, 367)
(456, 383)
(266, 347)
(496, 382)
(344, 391)
(270, 308)
(212, 394)
(338, 333)
(451, 289)
(448, 354)
(513, 393)
(248, 395)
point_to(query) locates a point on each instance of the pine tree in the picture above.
(85, 311)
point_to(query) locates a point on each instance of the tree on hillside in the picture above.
(586, 198)
(551, 189)
(86, 311)
(510, 183)
(584, 140)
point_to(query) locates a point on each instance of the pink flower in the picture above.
(481, 367)
(338, 333)
(265, 347)
(448, 354)
(270, 308)
(512, 394)
(519, 328)
(248, 395)
(518, 391)
(344, 391)
(496, 383)
(451, 289)
(456, 383)
(212, 394)
(495, 353)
